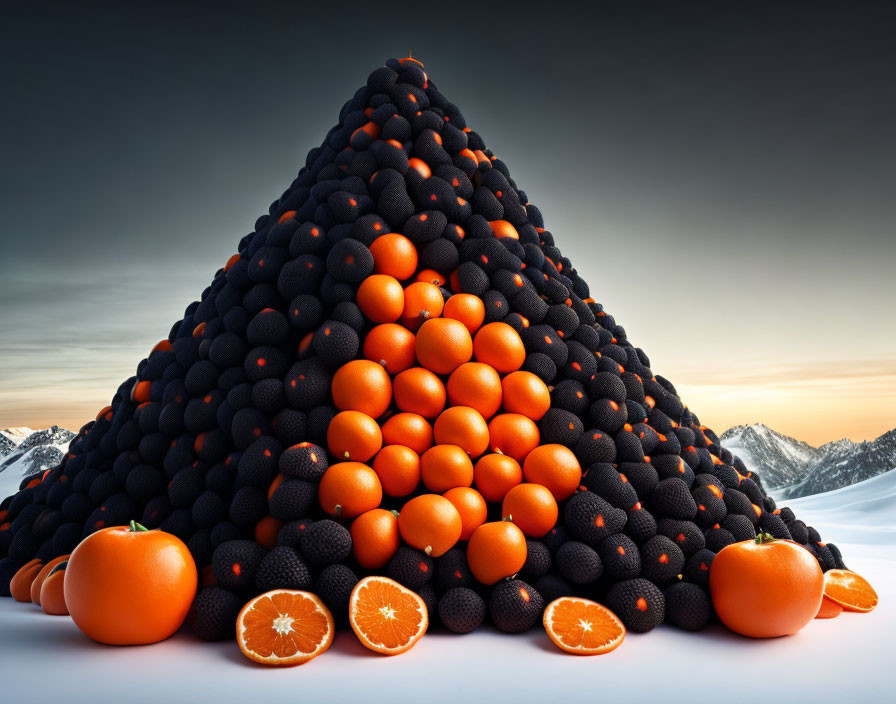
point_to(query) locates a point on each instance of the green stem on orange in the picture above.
(763, 538)
(137, 528)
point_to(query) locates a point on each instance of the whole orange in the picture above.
(130, 586)
(764, 588)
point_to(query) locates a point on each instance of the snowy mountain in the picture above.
(791, 468)
(778, 459)
(24, 452)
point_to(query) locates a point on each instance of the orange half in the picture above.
(850, 590)
(387, 617)
(284, 627)
(582, 626)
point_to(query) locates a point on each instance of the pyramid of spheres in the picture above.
(401, 323)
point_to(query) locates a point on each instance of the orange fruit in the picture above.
(38, 581)
(266, 531)
(409, 429)
(532, 507)
(418, 390)
(52, 591)
(398, 468)
(362, 385)
(381, 298)
(129, 586)
(284, 627)
(432, 276)
(443, 345)
(496, 474)
(496, 550)
(422, 301)
(353, 435)
(499, 344)
(582, 626)
(374, 538)
(850, 590)
(395, 255)
(829, 609)
(765, 588)
(464, 427)
(555, 467)
(475, 385)
(471, 506)
(20, 584)
(387, 617)
(430, 523)
(391, 345)
(525, 393)
(467, 308)
(513, 434)
(444, 467)
(348, 489)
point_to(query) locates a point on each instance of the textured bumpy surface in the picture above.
(227, 434)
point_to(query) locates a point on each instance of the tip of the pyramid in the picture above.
(410, 59)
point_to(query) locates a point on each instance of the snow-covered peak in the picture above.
(28, 452)
(16, 435)
(792, 468)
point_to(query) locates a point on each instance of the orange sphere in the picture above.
(532, 507)
(348, 489)
(443, 345)
(444, 467)
(764, 588)
(430, 523)
(496, 474)
(499, 344)
(418, 390)
(267, 530)
(375, 538)
(38, 582)
(130, 586)
(362, 385)
(496, 550)
(392, 346)
(398, 468)
(471, 506)
(409, 429)
(513, 434)
(381, 298)
(525, 393)
(503, 228)
(555, 467)
(462, 426)
(431, 276)
(475, 385)
(353, 435)
(52, 593)
(467, 308)
(20, 584)
(422, 301)
(395, 255)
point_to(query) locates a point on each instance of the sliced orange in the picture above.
(850, 590)
(284, 627)
(582, 626)
(387, 617)
(828, 609)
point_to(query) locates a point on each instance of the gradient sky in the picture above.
(723, 174)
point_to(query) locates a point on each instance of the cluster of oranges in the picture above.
(439, 400)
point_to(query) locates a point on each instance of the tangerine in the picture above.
(348, 489)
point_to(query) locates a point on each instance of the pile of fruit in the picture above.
(397, 405)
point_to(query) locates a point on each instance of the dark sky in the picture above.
(722, 173)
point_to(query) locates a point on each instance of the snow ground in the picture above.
(46, 658)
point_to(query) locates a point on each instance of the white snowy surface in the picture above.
(45, 658)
